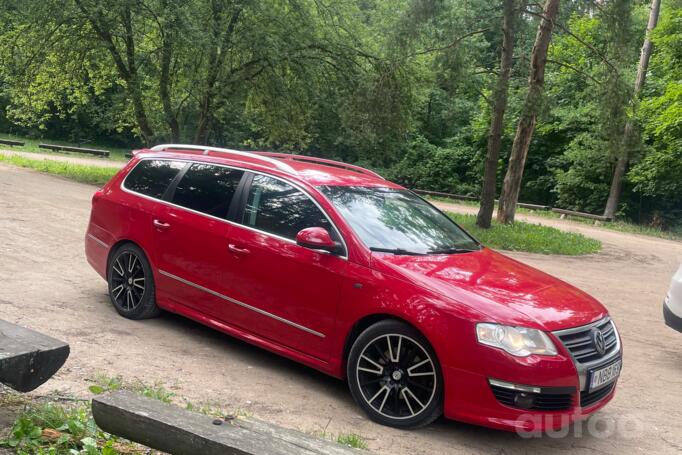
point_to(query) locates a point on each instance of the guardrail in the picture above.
(524, 205)
(66, 148)
(11, 142)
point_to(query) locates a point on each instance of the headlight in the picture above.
(518, 341)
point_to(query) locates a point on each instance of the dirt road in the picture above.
(46, 284)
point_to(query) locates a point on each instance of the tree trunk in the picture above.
(167, 37)
(134, 87)
(621, 164)
(222, 37)
(524, 131)
(485, 213)
(140, 113)
(127, 68)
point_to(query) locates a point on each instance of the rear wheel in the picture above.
(394, 375)
(131, 284)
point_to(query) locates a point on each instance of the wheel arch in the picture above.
(120, 243)
(367, 321)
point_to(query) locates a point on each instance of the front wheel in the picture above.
(131, 284)
(394, 375)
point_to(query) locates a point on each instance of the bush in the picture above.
(455, 169)
(584, 180)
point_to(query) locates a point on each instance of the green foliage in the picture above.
(658, 176)
(352, 440)
(454, 168)
(55, 429)
(584, 185)
(105, 384)
(531, 238)
(399, 85)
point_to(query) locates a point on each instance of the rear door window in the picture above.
(152, 177)
(278, 208)
(207, 188)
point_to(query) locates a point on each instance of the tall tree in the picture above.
(485, 213)
(528, 116)
(621, 164)
(108, 22)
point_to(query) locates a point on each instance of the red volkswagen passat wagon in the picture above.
(331, 265)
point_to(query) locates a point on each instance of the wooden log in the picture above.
(28, 358)
(581, 214)
(67, 148)
(474, 198)
(448, 195)
(11, 142)
(533, 206)
(50, 147)
(178, 431)
(96, 152)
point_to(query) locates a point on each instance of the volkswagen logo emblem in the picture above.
(598, 340)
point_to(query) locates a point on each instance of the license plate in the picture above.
(603, 376)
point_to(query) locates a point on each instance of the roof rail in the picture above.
(206, 149)
(323, 161)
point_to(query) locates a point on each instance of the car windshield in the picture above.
(398, 221)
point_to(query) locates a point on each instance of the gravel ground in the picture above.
(46, 284)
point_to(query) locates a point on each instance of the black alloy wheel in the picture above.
(131, 284)
(394, 375)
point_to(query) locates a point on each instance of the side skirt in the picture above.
(247, 336)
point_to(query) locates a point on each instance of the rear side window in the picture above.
(207, 188)
(276, 207)
(152, 177)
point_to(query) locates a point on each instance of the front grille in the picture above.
(542, 401)
(580, 343)
(589, 398)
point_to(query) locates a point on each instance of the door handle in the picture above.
(161, 225)
(235, 249)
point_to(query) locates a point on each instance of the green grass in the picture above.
(61, 429)
(674, 233)
(352, 440)
(531, 238)
(93, 175)
(104, 384)
(31, 145)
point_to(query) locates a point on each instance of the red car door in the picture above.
(192, 238)
(287, 293)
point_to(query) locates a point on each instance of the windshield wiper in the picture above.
(399, 251)
(451, 250)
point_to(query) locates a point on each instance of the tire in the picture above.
(131, 283)
(399, 386)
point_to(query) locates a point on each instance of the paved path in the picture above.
(46, 284)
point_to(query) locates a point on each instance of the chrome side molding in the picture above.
(241, 304)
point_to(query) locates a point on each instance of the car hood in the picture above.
(501, 289)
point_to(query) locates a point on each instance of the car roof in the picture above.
(311, 170)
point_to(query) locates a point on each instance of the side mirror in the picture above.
(317, 238)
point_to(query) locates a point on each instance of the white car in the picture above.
(672, 307)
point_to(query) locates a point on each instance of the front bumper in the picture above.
(671, 319)
(471, 397)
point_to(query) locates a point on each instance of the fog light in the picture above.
(524, 400)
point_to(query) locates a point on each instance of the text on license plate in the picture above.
(605, 375)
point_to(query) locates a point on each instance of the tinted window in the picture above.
(152, 177)
(279, 208)
(397, 219)
(207, 188)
